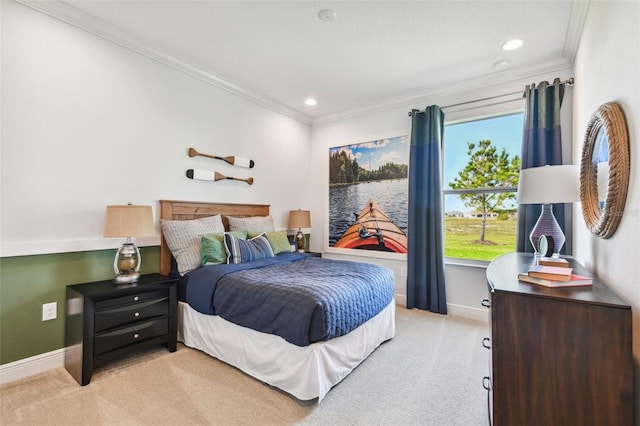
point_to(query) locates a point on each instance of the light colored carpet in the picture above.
(429, 374)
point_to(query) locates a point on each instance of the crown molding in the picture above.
(68, 14)
(502, 79)
(72, 16)
(579, 11)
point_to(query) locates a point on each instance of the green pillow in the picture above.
(277, 239)
(212, 251)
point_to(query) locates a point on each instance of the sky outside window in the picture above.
(503, 132)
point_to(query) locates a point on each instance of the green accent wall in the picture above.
(27, 282)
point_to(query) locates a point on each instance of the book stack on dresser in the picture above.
(553, 272)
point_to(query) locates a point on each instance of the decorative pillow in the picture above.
(212, 250)
(252, 223)
(242, 251)
(277, 239)
(183, 239)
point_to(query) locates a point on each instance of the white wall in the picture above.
(466, 285)
(608, 69)
(86, 123)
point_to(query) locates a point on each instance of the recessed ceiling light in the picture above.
(327, 15)
(513, 44)
(310, 102)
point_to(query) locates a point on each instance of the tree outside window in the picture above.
(481, 170)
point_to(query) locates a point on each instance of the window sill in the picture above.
(472, 263)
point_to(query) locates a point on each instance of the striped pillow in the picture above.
(242, 251)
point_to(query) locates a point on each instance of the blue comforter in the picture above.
(301, 298)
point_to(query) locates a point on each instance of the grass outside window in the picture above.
(461, 235)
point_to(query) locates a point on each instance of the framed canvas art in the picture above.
(368, 195)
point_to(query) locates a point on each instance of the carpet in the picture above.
(430, 373)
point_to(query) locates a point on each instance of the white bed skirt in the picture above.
(305, 372)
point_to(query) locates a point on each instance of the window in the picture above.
(480, 180)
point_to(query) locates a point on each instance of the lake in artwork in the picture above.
(345, 202)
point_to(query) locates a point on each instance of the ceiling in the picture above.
(278, 53)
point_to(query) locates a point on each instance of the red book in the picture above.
(554, 273)
(575, 280)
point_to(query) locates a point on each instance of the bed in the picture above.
(305, 366)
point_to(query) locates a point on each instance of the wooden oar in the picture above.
(213, 176)
(234, 161)
(220, 176)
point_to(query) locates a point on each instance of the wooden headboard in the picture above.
(188, 210)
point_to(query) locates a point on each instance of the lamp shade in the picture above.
(299, 219)
(549, 184)
(128, 221)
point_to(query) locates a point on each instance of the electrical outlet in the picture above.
(49, 311)
(403, 272)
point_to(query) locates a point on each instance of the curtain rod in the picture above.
(568, 82)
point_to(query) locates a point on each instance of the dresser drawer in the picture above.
(131, 299)
(124, 314)
(138, 332)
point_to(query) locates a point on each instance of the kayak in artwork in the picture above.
(373, 230)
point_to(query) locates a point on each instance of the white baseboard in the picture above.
(476, 314)
(29, 366)
(401, 300)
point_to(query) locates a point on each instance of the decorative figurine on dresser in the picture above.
(106, 319)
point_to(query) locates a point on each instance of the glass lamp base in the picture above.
(301, 244)
(547, 225)
(126, 278)
(127, 264)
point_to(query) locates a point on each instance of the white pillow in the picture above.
(251, 223)
(183, 239)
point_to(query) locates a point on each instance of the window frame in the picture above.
(507, 107)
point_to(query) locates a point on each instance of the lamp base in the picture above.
(547, 225)
(301, 243)
(126, 278)
(127, 264)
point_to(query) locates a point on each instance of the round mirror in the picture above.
(604, 170)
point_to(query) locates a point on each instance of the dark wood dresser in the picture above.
(558, 356)
(105, 320)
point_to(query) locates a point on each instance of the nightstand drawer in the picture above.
(138, 332)
(134, 298)
(125, 314)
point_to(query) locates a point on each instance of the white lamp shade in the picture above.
(128, 221)
(549, 184)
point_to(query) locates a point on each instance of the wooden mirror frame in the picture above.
(604, 222)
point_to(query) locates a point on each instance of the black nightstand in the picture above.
(105, 320)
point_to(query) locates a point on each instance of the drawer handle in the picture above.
(136, 335)
(135, 298)
(486, 303)
(485, 343)
(137, 314)
(486, 383)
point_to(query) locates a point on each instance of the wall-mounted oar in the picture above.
(233, 160)
(214, 176)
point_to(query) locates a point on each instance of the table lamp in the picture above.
(547, 185)
(127, 222)
(300, 219)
